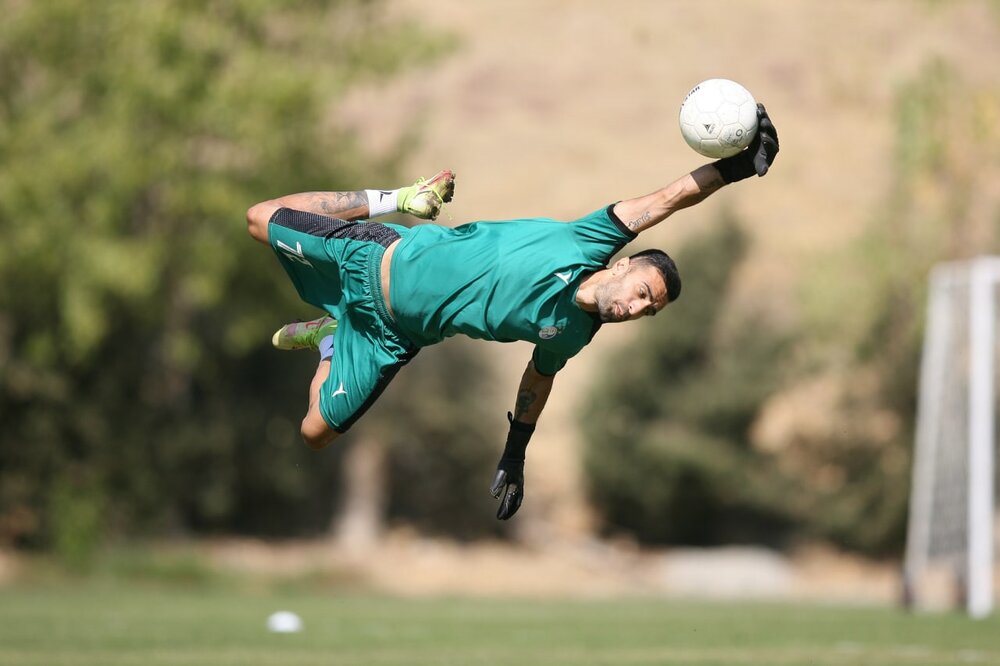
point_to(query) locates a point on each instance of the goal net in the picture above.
(950, 539)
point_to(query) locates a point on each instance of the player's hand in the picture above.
(766, 141)
(508, 487)
(508, 484)
(757, 157)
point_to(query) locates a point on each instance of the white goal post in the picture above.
(952, 500)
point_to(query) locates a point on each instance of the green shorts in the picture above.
(335, 265)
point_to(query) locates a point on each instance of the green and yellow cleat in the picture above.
(424, 198)
(304, 334)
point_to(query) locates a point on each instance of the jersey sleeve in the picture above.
(600, 235)
(547, 362)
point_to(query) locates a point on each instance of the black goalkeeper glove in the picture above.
(508, 484)
(757, 157)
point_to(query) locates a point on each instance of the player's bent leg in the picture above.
(258, 217)
(315, 431)
(366, 357)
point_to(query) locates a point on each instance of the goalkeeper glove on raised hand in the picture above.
(508, 484)
(758, 156)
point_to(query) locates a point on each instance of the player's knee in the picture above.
(317, 435)
(258, 217)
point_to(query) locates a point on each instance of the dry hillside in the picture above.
(555, 108)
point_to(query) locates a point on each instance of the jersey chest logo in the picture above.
(548, 332)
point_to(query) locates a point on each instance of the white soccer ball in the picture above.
(718, 118)
(284, 622)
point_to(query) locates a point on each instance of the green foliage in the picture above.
(75, 512)
(136, 311)
(941, 205)
(667, 456)
(443, 447)
(178, 567)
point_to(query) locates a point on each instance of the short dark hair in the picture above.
(668, 270)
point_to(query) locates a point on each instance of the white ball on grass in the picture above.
(284, 622)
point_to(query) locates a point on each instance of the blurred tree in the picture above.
(671, 456)
(942, 204)
(667, 429)
(441, 449)
(135, 310)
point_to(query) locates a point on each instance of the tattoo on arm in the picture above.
(525, 399)
(639, 221)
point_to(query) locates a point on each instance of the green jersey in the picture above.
(504, 281)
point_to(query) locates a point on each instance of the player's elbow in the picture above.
(258, 217)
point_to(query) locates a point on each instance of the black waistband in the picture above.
(332, 227)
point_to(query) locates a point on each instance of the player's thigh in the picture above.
(364, 362)
(312, 261)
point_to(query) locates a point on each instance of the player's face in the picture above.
(637, 292)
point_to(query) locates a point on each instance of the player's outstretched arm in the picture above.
(644, 212)
(508, 484)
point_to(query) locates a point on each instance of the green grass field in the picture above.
(117, 623)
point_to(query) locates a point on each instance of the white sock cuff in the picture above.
(381, 202)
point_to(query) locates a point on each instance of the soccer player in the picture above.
(390, 290)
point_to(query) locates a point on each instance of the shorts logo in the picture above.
(548, 332)
(564, 276)
(339, 391)
(295, 254)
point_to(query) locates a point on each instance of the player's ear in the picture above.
(621, 266)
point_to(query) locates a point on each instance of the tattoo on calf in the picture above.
(334, 203)
(639, 221)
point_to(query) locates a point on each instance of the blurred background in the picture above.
(754, 441)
